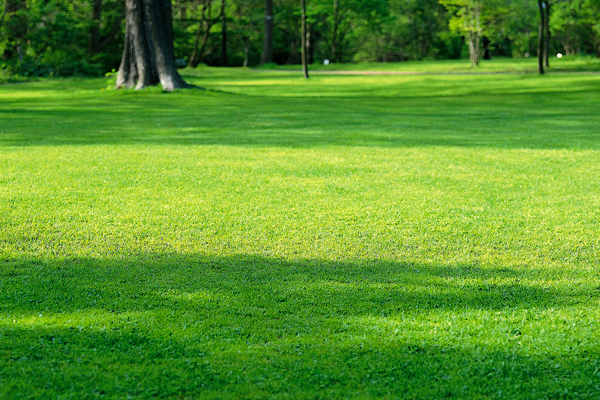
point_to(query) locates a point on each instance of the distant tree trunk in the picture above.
(547, 33)
(148, 53)
(304, 37)
(474, 33)
(336, 23)
(540, 49)
(198, 51)
(223, 34)
(94, 41)
(246, 50)
(487, 54)
(267, 54)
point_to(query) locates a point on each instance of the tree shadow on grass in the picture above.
(197, 326)
(507, 121)
(316, 287)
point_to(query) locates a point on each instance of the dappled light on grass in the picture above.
(231, 325)
(240, 325)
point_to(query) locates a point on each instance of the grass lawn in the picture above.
(496, 65)
(412, 237)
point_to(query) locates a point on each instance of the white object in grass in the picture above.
(559, 55)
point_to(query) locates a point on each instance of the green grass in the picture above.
(415, 237)
(496, 65)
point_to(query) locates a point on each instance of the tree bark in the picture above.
(94, 40)
(304, 42)
(246, 51)
(267, 54)
(540, 49)
(223, 34)
(487, 54)
(547, 34)
(148, 53)
(474, 34)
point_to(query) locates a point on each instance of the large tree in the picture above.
(148, 53)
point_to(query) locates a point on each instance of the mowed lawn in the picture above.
(411, 237)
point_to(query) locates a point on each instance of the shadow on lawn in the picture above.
(247, 326)
(315, 288)
(507, 121)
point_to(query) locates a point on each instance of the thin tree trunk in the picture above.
(94, 40)
(540, 49)
(198, 52)
(193, 58)
(246, 51)
(223, 34)
(471, 45)
(547, 34)
(304, 37)
(148, 54)
(336, 22)
(267, 54)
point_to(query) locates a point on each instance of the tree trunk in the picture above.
(246, 50)
(336, 23)
(94, 41)
(540, 49)
(473, 43)
(148, 53)
(304, 37)
(474, 34)
(267, 54)
(199, 49)
(223, 35)
(487, 54)
(547, 33)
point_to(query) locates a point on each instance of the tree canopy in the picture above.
(66, 37)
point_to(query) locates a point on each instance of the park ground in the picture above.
(387, 236)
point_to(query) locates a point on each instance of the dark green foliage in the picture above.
(53, 37)
(85, 37)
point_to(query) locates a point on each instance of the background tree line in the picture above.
(67, 37)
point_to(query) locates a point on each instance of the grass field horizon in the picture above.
(564, 64)
(406, 236)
